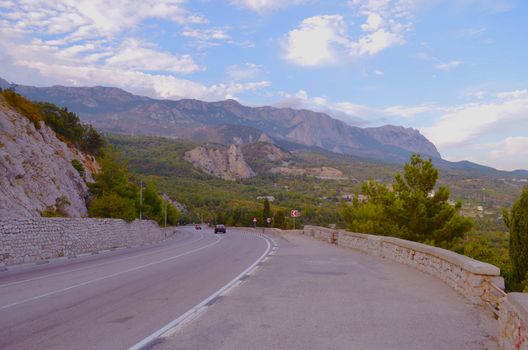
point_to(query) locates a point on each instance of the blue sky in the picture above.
(454, 69)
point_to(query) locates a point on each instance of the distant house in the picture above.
(350, 197)
(269, 198)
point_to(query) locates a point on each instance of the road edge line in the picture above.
(152, 337)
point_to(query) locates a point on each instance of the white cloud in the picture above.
(479, 95)
(373, 23)
(243, 72)
(80, 20)
(467, 122)
(155, 85)
(448, 66)
(208, 37)
(316, 40)
(266, 5)
(378, 72)
(376, 42)
(132, 55)
(351, 113)
(513, 94)
(89, 46)
(511, 154)
(407, 111)
(324, 39)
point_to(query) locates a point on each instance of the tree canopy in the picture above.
(412, 208)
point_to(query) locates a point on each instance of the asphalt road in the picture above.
(294, 293)
(312, 295)
(116, 299)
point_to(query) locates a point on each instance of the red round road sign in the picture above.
(294, 213)
(254, 219)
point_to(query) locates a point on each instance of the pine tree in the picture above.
(411, 210)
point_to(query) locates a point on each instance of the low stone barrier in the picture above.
(36, 239)
(513, 322)
(469, 277)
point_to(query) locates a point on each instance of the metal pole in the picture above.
(140, 200)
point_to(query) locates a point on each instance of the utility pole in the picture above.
(166, 207)
(141, 200)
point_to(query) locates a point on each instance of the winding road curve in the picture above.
(236, 291)
(116, 299)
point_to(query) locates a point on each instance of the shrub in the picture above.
(79, 167)
(24, 106)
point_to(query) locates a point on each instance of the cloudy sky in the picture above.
(454, 69)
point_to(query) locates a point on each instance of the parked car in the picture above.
(197, 227)
(220, 229)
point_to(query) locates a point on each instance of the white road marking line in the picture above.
(97, 265)
(253, 271)
(197, 307)
(182, 324)
(107, 276)
(230, 289)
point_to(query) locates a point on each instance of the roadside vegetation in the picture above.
(117, 195)
(66, 124)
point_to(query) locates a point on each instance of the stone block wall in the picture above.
(469, 277)
(320, 233)
(35, 239)
(513, 322)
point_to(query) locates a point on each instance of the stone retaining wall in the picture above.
(467, 276)
(513, 322)
(35, 239)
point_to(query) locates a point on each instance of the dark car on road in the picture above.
(220, 229)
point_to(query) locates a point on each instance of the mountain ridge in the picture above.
(118, 111)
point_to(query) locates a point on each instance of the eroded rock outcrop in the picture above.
(36, 171)
(226, 163)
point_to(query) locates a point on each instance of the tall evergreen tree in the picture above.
(517, 222)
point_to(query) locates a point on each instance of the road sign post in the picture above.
(294, 214)
(254, 222)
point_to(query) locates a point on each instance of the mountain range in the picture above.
(114, 110)
(117, 111)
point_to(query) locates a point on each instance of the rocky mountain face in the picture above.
(115, 110)
(406, 138)
(219, 161)
(36, 171)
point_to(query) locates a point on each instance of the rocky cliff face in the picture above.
(407, 138)
(226, 163)
(36, 172)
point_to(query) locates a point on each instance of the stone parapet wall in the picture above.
(469, 277)
(36, 239)
(513, 322)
